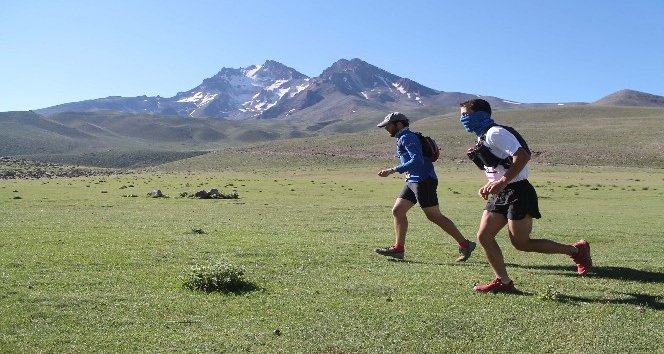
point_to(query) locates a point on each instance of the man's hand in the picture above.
(519, 161)
(492, 188)
(386, 172)
(484, 191)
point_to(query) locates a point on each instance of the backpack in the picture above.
(429, 147)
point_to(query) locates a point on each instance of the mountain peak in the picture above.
(631, 98)
(357, 77)
(353, 65)
(273, 70)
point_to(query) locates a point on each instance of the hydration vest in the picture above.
(482, 155)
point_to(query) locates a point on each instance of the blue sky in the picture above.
(54, 52)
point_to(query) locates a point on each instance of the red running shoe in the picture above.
(496, 286)
(582, 258)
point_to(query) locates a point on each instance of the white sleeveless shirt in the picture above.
(502, 143)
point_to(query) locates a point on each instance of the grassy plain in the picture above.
(91, 264)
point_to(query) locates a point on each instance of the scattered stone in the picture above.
(202, 195)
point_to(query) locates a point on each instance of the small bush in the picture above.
(222, 277)
(211, 194)
(550, 294)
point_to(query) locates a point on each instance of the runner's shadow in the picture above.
(642, 301)
(617, 273)
(410, 261)
(624, 273)
(450, 263)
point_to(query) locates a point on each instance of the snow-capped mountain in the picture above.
(232, 93)
(356, 77)
(360, 83)
(273, 90)
(240, 93)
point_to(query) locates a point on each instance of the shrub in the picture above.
(212, 194)
(222, 277)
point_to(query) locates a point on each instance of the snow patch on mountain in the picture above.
(241, 82)
(386, 83)
(300, 88)
(199, 98)
(276, 85)
(400, 89)
(252, 72)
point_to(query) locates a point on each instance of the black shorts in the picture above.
(423, 192)
(515, 201)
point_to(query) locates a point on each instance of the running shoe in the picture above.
(390, 252)
(496, 286)
(464, 252)
(582, 258)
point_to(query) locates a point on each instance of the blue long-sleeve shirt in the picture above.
(413, 161)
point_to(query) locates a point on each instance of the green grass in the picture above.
(85, 268)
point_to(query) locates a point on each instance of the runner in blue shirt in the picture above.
(421, 186)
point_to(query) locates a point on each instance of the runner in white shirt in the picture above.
(511, 199)
(503, 144)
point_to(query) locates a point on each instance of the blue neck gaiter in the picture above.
(477, 122)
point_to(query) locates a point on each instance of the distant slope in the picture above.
(89, 138)
(631, 98)
(30, 133)
(585, 134)
(577, 135)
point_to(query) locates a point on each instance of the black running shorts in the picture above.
(421, 192)
(515, 201)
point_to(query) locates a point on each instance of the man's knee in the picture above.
(399, 212)
(484, 238)
(520, 244)
(519, 232)
(433, 214)
(490, 226)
